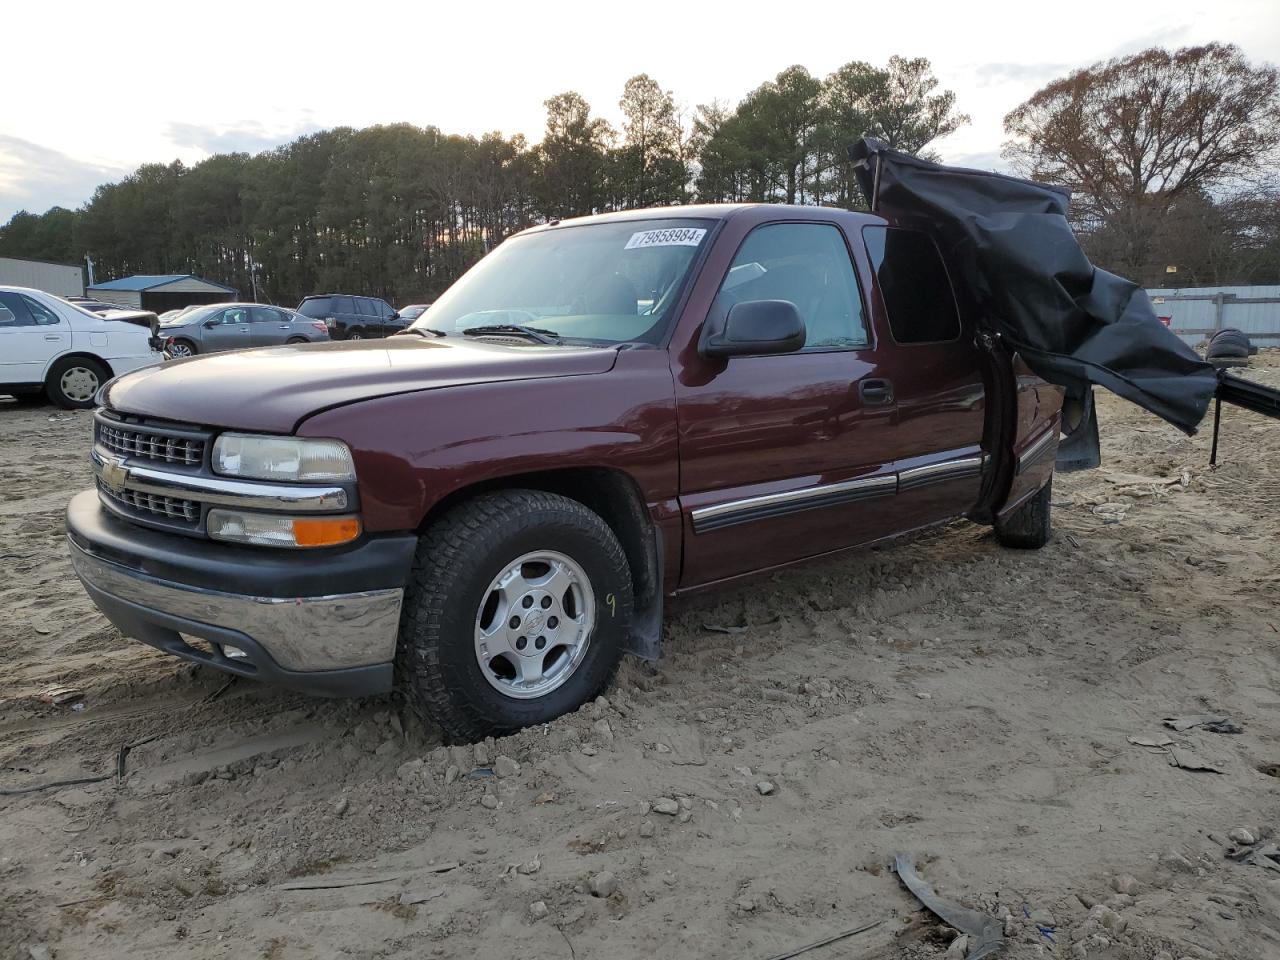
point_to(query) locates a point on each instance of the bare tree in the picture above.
(1143, 138)
(1157, 123)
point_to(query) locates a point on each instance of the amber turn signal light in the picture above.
(325, 531)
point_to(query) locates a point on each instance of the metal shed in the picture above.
(59, 279)
(162, 292)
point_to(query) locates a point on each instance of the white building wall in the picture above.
(60, 279)
(125, 298)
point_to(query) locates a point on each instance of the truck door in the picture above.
(936, 367)
(783, 457)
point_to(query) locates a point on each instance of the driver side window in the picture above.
(807, 264)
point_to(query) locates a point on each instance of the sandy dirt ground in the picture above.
(971, 705)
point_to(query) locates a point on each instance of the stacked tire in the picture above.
(1230, 347)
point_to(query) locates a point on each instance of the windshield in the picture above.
(600, 282)
(412, 313)
(191, 315)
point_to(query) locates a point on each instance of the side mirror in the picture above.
(754, 327)
(211, 323)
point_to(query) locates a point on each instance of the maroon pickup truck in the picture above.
(490, 508)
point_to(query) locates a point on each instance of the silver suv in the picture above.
(233, 326)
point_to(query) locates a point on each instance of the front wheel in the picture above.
(517, 612)
(73, 382)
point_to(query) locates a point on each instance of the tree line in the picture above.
(1171, 154)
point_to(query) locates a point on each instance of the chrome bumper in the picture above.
(298, 634)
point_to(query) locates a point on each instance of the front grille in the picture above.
(154, 505)
(149, 445)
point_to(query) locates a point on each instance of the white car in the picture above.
(50, 345)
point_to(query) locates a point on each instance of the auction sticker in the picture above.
(673, 237)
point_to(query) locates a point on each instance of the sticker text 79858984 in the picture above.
(671, 237)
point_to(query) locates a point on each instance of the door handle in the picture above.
(875, 393)
(55, 337)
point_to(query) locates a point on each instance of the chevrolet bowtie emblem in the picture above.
(114, 473)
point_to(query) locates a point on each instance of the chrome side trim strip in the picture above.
(217, 491)
(938, 472)
(791, 501)
(300, 633)
(1038, 449)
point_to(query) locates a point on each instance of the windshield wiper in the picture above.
(420, 331)
(533, 333)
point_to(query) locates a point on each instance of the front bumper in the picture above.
(323, 621)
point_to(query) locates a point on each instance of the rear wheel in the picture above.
(1028, 527)
(517, 611)
(297, 340)
(355, 334)
(73, 382)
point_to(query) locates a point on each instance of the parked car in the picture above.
(412, 312)
(52, 346)
(673, 400)
(234, 326)
(350, 317)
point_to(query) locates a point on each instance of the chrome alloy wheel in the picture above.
(534, 624)
(79, 384)
(180, 350)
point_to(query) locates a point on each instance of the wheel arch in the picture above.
(615, 497)
(77, 355)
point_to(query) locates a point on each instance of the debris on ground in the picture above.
(986, 934)
(1186, 760)
(1210, 722)
(60, 696)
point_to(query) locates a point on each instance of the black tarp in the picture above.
(1016, 262)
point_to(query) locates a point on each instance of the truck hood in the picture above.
(273, 389)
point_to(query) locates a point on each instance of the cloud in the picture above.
(34, 177)
(984, 160)
(250, 137)
(1167, 36)
(1033, 74)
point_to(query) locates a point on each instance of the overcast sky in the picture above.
(91, 90)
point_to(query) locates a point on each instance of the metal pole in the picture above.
(1217, 420)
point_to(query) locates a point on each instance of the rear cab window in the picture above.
(914, 283)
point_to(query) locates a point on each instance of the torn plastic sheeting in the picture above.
(1016, 264)
(1211, 722)
(986, 934)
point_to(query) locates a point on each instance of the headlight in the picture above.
(281, 458)
(270, 530)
